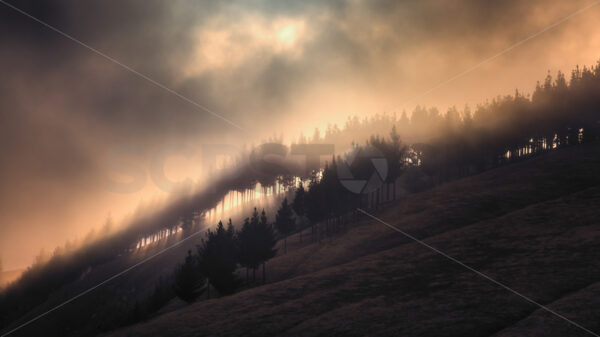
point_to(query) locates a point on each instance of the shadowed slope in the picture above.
(525, 225)
(451, 206)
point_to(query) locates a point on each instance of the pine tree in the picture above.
(404, 122)
(256, 241)
(189, 281)
(314, 204)
(267, 242)
(218, 258)
(246, 248)
(299, 206)
(163, 293)
(394, 153)
(285, 222)
(299, 203)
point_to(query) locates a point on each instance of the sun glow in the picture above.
(288, 33)
(230, 46)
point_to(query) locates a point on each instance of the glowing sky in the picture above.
(271, 66)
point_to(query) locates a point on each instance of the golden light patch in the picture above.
(288, 33)
(228, 47)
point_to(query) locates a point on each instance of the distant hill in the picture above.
(533, 226)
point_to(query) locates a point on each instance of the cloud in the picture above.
(271, 66)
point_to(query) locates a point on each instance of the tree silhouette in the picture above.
(299, 203)
(299, 206)
(163, 293)
(285, 222)
(189, 282)
(315, 210)
(217, 258)
(267, 241)
(256, 241)
(246, 249)
(395, 153)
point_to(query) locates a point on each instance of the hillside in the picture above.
(532, 226)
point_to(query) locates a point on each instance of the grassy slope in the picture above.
(452, 206)
(581, 306)
(532, 226)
